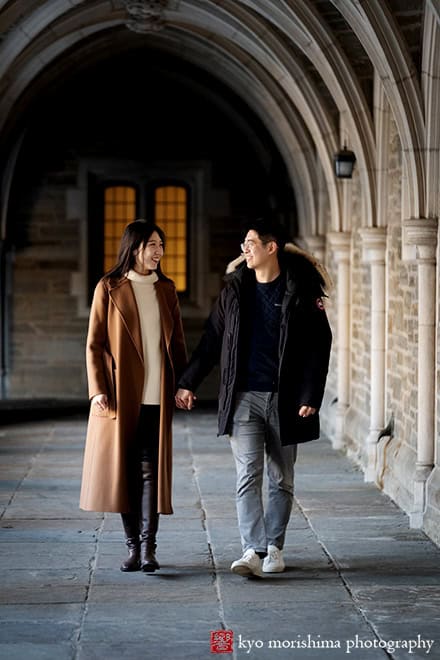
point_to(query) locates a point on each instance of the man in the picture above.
(270, 332)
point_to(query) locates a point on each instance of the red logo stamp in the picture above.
(222, 641)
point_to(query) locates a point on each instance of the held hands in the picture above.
(101, 401)
(306, 411)
(185, 399)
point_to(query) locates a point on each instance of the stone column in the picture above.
(373, 253)
(421, 234)
(340, 243)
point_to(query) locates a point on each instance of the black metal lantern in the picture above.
(344, 162)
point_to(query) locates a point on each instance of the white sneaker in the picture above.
(249, 564)
(273, 562)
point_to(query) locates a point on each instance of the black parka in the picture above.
(304, 348)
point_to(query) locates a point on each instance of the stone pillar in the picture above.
(421, 234)
(373, 253)
(340, 243)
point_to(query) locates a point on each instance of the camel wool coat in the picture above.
(115, 367)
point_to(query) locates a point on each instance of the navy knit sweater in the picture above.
(258, 356)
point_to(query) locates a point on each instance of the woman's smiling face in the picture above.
(149, 255)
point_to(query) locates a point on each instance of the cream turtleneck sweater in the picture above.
(149, 315)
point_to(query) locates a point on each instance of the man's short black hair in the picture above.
(269, 229)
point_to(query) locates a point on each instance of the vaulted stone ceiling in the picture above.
(28, 27)
(305, 67)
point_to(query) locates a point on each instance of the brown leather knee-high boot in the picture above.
(130, 522)
(150, 517)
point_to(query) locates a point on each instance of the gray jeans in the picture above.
(256, 433)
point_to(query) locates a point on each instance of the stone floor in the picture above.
(359, 583)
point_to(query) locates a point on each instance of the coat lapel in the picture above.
(125, 302)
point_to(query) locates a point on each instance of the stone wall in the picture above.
(398, 455)
(358, 415)
(432, 515)
(48, 340)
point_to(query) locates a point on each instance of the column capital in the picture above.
(419, 240)
(374, 243)
(340, 243)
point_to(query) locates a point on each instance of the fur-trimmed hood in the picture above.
(293, 254)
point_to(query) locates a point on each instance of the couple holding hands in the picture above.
(268, 330)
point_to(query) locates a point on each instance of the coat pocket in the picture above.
(110, 379)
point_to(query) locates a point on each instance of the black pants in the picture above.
(141, 524)
(147, 434)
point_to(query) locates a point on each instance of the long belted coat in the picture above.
(115, 366)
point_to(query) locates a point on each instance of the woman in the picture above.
(135, 353)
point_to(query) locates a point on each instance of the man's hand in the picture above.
(306, 411)
(101, 401)
(185, 399)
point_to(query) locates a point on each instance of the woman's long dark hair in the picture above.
(136, 234)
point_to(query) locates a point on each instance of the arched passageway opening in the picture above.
(246, 104)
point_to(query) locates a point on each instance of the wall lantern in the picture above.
(344, 162)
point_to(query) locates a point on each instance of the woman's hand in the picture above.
(185, 399)
(306, 411)
(101, 401)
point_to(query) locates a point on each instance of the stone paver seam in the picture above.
(216, 576)
(338, 570)
(29, 469)
(93, 561)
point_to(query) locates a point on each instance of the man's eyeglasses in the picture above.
(251, 245)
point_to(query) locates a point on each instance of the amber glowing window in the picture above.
(171, 213)
(119, 210)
